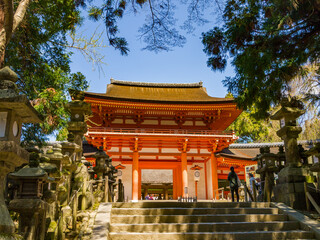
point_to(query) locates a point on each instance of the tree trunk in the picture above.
(9, 21)
(2, 34)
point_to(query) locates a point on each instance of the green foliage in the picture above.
(249, 129)
(268, 42)
(38, 53)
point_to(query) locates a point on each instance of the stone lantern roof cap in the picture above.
(30, 173)
(49, 167)
(290, 110)
(11, 99)
(100, 153)
(7, 74)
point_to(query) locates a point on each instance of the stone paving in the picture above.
(102, 221)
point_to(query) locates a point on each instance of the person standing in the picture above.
(252, 181)
(234, 183)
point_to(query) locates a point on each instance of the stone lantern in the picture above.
(290, 184)
(281, 161)
(77, 126)
(267, 166)
(56, 157)
(28, 199)
(71, 150)
(15, 109)
(101, 168)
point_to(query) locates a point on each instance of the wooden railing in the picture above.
(310, 198)
(219, 193)
(158, 131)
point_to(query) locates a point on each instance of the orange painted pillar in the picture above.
(214, 171)
(135, 176)
(184, 172)
(205, 178)
(139, 185)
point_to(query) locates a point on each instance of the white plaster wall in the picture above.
(191, 187)
(201, 183)
(127, 181)
(209, 180)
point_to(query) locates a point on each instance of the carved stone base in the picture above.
(292, 175)
(291, 194)
(290, 187)
(32, 217)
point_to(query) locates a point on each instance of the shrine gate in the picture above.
(165, 126)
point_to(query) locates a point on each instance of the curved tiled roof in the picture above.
(158, 92)
(269, 144)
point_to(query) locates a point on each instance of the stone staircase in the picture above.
(202, 220)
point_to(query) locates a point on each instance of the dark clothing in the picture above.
(233, 179)
(234, 185)
(232, 193)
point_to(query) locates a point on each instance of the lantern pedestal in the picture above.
(11, 156)
(32, 221)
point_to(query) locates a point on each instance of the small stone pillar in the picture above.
(15, 109)
(112, 176)
(120, 191)
(120, 184)
(290, 184)
(28, 202)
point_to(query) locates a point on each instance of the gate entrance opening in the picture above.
(156, 184)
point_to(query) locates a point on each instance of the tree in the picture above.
(249, 129)
(159, 31)
(10, 19)
(38, 52)
(268, 43)
(33, 41)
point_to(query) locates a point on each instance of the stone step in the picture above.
(205, 227)
(175, 204)
(197, 218)
(191, 211)
(258, 235)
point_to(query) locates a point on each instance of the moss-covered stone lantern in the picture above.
(266, 168)
(101, 167)
(78, 110)
(30, 179)
(15, 109)
(28, 199)
(290, 184)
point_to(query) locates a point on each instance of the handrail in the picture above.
(93, 130)
(310, 198)
(217, 190)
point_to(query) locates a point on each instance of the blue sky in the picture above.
(182, 65)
